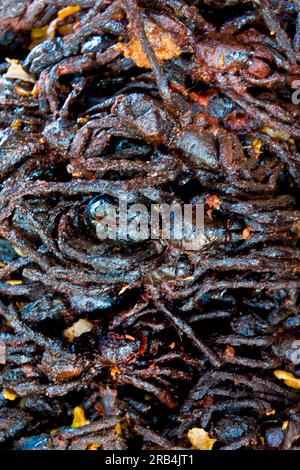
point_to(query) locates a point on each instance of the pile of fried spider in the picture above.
(129, 344)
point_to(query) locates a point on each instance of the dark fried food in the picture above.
(148, 345)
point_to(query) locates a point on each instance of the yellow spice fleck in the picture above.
(118, 429)
(289, 379)
(114, 371)
(67, 11)
(9, 395)
(39, 35)
(14, 282)
(94, 446)
(257, 145)
(16, 124)
(79, 419)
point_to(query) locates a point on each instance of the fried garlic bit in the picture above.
(229, 352)
(270, 413)
(94, 446)
(285, 425)
(276, 134)
(48, 31)
(9, 395)
(118, 429)
(16, 71)
(289, 379)
(200, 439)
(257, 145)
(162, 42)
(77, 329)
(67, 11)
(79, 419)
(247, 233)
(123, 290)
(114, 372)
(19, 251)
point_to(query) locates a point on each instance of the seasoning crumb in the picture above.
(16, 71)
(200, 439)
(114, 371)
(77, 329)
(130, 338)
(9, 395)
(19, 251)
(94, 446)
(162, 42)
(289, 379)
(270, 413)
(247, 233)
(123, 290)
(79, 419)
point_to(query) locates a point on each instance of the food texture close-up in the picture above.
(151, 343)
